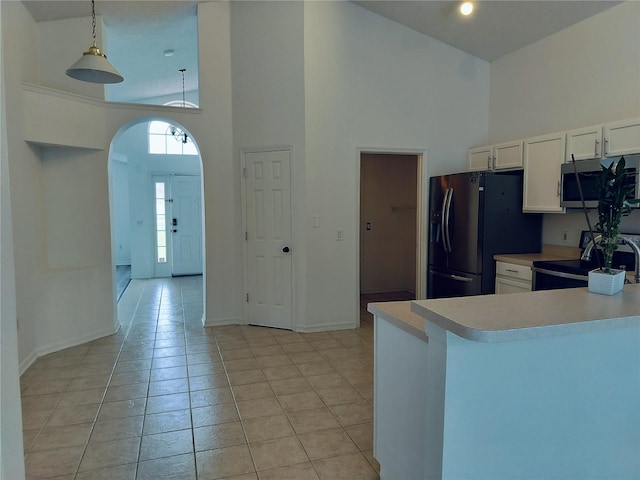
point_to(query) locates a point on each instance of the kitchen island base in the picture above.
(549, 407)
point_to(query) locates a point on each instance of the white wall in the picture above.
(370, 82)
(583, 75)
(18, 29)
(11, 447)
(119, 185)
(215, 136)
(268, 102)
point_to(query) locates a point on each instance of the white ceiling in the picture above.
(496, 27)
(140, 30)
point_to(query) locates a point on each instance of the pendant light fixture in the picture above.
(93, 66)
(176, 132)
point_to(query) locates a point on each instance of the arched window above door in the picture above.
(168, 139)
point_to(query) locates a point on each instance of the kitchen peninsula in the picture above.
(528, 385)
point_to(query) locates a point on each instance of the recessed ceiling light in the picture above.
(466, 8)
(169, 52)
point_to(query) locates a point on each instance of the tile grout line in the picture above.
(146, 398)
(106, 388)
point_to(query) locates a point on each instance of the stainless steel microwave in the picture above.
(588, 171)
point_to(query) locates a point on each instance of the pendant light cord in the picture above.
(93, 16)
(182, 70)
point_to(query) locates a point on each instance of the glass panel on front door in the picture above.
(161, 223)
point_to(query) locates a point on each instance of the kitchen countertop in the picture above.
(519, 316)
(549, 252)
(527, 259)
(400, 315)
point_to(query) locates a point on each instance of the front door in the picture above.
(178, 224)
(267, 176)
(186, 225)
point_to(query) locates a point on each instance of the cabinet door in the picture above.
(506, 285)
(542, 159)
(584, 143)
(480, 158)
(507, 155)
(622, 138)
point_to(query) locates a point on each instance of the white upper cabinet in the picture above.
(507, 155)
(584, 143)
(608, 140)
(480, 158)
(543, 156)
(622, 138)
(502, 156)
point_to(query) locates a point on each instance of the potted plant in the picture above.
(615, 201)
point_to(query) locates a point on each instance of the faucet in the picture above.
(586, 255)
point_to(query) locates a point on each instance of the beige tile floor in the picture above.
(167, 398)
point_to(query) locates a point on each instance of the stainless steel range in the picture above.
(554, 274)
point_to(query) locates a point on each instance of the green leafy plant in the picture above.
(615, 201)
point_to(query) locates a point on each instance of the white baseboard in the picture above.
(56, 347)
(27, 362)
(219, 322)
(323, 327)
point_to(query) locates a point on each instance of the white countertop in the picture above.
(527, 259)
(549, 252)
(519, 316)
(400, 314)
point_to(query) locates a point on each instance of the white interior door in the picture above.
(186, 225)
(268, 238)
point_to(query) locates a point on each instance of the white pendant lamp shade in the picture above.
(94, 67)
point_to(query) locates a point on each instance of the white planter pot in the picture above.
(606, 283)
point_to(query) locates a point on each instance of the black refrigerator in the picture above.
(472, 217)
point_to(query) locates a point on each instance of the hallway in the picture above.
(167, 398)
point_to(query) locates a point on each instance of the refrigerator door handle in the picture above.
(452, 277)
(446, 219)
(444, 223)
(461, 279)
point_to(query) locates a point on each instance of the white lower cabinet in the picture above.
(512, 278)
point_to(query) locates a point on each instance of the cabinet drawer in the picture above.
(513, 270)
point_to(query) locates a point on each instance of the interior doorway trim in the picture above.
(421, 223)
(113, 155)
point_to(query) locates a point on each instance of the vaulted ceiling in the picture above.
(146, 28)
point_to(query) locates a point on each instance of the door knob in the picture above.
(286, 249)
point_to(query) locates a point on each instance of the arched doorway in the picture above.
(156, 202)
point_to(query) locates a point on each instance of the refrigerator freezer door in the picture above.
(464, 219)
(445, 283)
